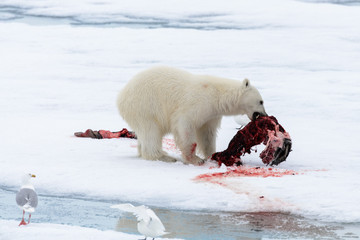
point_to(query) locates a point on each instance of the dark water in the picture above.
(192, 225)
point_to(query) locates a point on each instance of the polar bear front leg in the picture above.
(185, 138)
(206, 136)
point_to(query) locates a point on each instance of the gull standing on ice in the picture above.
(149, 224)
(27, 198)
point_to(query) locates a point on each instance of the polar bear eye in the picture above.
(261, 102)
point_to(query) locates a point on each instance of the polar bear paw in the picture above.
(166, 158)
(197, 161)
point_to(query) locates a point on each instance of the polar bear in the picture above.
(164, 100)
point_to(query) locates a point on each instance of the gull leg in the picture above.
(22, 220)
(29, 218)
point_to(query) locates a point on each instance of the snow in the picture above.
(60, 78)
(9, 230)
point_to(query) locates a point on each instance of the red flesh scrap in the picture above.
(264, 129)
(124, 133)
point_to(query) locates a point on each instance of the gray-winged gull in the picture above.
(149, 224)
(27, 198)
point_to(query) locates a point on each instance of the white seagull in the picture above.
(149, 224)
(27, 198)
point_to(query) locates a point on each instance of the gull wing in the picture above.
(140, 212)
(27, 198)
(155, 222)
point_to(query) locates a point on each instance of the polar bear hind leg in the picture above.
(150, 145)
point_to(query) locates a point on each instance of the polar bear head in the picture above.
(251, 101)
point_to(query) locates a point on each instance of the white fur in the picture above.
(165, 100)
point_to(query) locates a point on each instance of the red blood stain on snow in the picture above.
(221, 178)
(247, 172)
(169, 145)
(261, 201)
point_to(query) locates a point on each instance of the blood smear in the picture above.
(247, 172)
(168, 144)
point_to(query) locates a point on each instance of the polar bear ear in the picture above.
(246, 83)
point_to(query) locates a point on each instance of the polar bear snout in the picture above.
(258, 114)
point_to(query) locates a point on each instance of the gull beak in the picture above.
(33, 175)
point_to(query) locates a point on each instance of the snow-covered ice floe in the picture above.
(9, 230)
(57, 78)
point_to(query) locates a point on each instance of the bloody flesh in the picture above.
(266, 130)
(124, 133)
